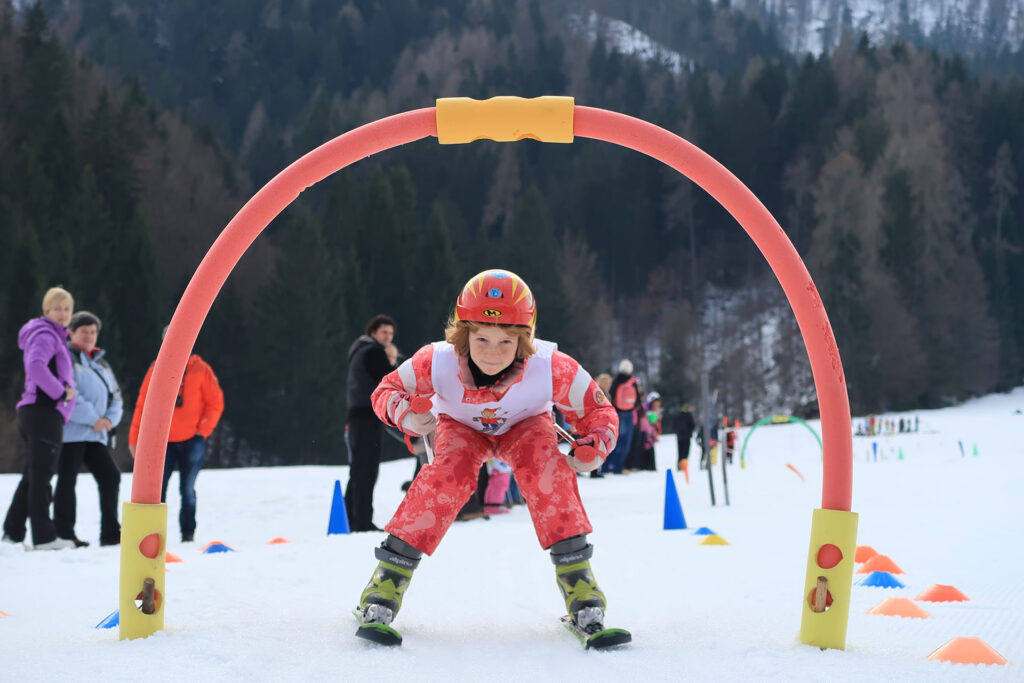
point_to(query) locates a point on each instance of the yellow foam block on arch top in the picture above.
(504, 119)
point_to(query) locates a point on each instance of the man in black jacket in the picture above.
(367, 365)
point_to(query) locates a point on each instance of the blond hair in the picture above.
(55, 295)
(458, 331)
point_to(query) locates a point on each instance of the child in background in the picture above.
(493, 385)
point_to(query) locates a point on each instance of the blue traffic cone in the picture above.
(673, 509)
(339, 516)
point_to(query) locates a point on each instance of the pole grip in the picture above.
(420, 404)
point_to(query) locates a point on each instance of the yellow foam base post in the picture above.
(504, 119)
(831, 555)
(139, 522)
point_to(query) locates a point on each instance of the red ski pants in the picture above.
(441, 488)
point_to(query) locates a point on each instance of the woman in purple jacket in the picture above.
(42, 411)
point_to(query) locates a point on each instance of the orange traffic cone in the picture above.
(684, 465)
(277, 540)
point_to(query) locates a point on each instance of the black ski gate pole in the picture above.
(724, 445)
(709, 420)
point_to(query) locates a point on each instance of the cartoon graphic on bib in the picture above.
(489, 421)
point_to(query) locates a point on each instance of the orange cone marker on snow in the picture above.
(965, 650)
(277, 540)
(899, 607)
(880, 563)
(171, 557)
(942, 593)
(864, 553)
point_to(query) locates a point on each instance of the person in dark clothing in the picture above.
(368, 363)
(683, 427)
(88, 435)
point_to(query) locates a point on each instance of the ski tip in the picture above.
(602, 640)
(379, 634)
(376, 633)
(609, 638)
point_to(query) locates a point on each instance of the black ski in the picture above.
(377, 633)
(601, 640)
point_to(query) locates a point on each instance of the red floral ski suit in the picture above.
(547, 482)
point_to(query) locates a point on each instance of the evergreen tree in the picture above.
(874, 332)
(438, 276)
(300, 358)
(998, 248)
(530, 249)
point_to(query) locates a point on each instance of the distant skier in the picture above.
(683, 427)
(493, 385)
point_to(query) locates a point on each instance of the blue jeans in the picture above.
(617, 458)
(187, 458)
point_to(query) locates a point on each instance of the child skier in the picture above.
(492, 385)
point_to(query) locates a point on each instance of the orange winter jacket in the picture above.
(199, 409)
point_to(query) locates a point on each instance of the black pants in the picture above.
(96, 457)
(364, 435)
(41, 429)
(683, 445)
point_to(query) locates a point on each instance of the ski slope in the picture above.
(486, 607)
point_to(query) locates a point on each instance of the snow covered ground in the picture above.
(485, 606)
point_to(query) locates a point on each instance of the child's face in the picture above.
(492, 348)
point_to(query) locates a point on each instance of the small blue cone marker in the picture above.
(673, 509)
(338, 523)
(110, 621)
(881, 580)
(217, 548)
(704, 531)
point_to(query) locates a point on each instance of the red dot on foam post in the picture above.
(150, 546)
(829, 555)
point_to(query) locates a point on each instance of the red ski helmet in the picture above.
(496, 296)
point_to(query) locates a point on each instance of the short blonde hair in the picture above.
(458, 331)
(55, 295)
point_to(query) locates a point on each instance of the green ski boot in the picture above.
(382, 597)
(584, 600)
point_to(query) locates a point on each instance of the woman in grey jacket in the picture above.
(88, 434)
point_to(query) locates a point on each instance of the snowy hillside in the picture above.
(485, 606)
(628, 40)
(816, 25)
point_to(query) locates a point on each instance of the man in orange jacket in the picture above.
(197, 409)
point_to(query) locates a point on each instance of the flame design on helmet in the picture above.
(497, 296)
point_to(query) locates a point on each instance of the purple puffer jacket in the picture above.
(44, 341)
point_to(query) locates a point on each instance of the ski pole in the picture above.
(581, 453)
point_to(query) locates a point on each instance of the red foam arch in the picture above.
(600, 124)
